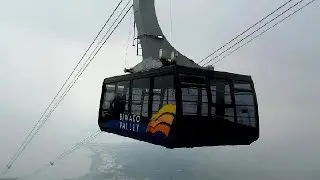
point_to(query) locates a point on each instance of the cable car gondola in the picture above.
(171, 101)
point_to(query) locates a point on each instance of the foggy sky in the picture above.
(41, 41)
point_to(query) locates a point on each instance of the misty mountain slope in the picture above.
(141, 161)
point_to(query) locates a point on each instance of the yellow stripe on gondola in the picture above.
(169, 108)
(164, 115)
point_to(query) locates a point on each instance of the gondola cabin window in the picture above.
(140, 97)
(189, 100)
(222, 107)
(194, 95)
(122, 95)
(244, 100)
(108, 99)
(204, 102)
(195, 101)
(163, 92)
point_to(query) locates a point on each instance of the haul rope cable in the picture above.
(83, 68)
(98, 132)
(65, 153)
(264, 32)
(24, 144)
(247, 30)
(254, 31)
(98, 50)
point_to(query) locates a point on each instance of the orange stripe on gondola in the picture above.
(165, 129)
(166, 118)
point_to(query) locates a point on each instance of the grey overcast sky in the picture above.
(42, 40)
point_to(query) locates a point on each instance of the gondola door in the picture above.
(114, 106)
(195, 111)
(163, 113)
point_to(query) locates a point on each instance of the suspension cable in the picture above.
(246, 30)
(255, 37)
(64, 154)
(26, 141)
(254, 31)
(93, 136)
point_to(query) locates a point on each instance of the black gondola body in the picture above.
(177, 107)
(170, 100)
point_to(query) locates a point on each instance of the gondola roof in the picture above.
(181, 70)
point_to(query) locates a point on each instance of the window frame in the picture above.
(163, 88)
(102, 99)
(213, 103)
(129, 87)
(142, 100)
(203, 84)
